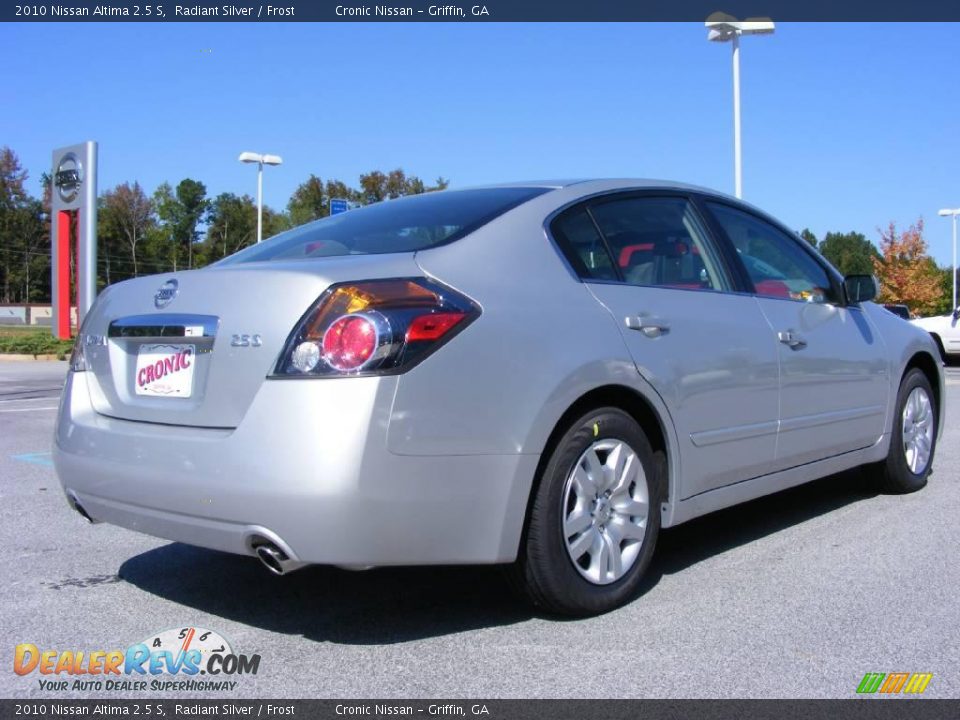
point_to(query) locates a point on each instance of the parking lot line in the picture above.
(5, 401)
(30, 409)
(35, 458)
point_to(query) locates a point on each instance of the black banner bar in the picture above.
(857, 709)
(479, 11)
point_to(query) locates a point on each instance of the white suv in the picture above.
(945, 330)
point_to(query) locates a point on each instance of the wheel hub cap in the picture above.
(605, 511)
(601, 512)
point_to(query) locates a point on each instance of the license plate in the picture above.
(165, 370)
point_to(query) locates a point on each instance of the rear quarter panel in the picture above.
(541, 342)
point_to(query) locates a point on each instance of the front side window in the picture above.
(776, 263)
(659, 241)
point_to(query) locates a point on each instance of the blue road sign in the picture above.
(338, 205)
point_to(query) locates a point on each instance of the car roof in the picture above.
(585, 187)
(606, 183)
(590, 186)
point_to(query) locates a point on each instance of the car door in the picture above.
(706, 349)
(833, 367)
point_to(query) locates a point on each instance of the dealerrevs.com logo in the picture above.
(179, 660)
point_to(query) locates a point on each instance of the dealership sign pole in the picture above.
(73, 203)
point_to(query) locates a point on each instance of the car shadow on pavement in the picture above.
(692, 542)
(395, 605)
(326, 604)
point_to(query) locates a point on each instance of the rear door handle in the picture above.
(791, 339)
(650, 326)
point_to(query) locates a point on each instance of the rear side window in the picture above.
(577, 236)
(407, 224)
(659, 241)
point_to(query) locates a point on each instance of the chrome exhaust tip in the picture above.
(276, 560)
(75, 504)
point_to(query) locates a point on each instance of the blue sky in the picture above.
(845, 127)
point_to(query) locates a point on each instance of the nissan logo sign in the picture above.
(68, 177)
(167, 292)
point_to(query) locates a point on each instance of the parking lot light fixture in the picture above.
(260, 160)
(953, 212)
(729, 30)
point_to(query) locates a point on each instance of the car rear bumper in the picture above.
(307, 469)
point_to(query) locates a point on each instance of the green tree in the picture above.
(946, 290)
(373, 187)
(308, 202)
(126, 213)
(192, 205)
(231, 226)
(161, 245)
(807, 234)
(23, 242)
(339, 189)
(376, 186)
(108, 240)
(851, 253)
(274, 222)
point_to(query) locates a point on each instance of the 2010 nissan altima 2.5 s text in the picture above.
(540, 375)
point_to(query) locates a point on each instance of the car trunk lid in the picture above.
(193, 348)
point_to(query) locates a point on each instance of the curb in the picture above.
(18, 357)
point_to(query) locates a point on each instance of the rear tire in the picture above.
(594, 517)
(914, 438)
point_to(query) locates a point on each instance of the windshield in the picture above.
(393, 226)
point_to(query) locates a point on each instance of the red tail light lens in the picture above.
(433, 326)
(374, 327)
(349, 342)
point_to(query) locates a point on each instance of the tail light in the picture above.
(78, 359)
(78, 355)
(374, 327)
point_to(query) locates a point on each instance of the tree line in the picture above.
(181, 227)
(907, 273)
(173, 228)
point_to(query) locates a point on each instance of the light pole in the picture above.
(260, 160)
(947, 212)
(730, 31)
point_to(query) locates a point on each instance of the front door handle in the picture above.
(650, 326)
(791, 339)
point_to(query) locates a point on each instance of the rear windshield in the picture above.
(393, 226)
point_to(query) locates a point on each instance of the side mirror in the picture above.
(860, 288)
(956, 313)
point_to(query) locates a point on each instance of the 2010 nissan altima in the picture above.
(539, 374)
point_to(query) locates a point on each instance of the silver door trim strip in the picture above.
(706, 438)
(803, 422)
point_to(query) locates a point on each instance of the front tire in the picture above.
(914, 438)
(594, 519)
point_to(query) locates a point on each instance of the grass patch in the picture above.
(21, 340)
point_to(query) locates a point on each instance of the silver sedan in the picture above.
(540, 375)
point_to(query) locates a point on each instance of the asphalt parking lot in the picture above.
(795, 595)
